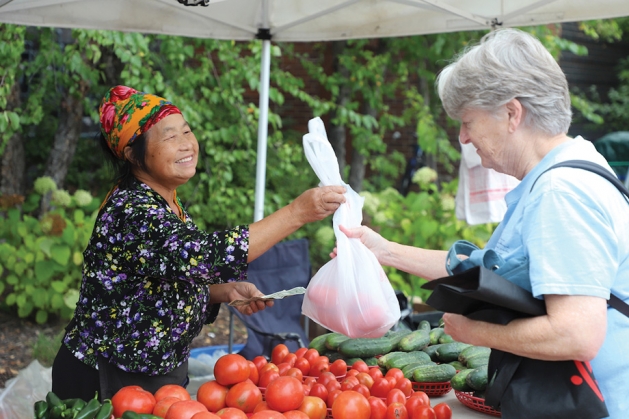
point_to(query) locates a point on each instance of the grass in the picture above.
(46, 347)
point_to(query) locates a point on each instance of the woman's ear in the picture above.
(128, 155)
(515, 111)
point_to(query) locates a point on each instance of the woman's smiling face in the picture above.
(487, 132)
(171, 153)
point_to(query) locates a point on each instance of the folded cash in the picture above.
(275, 296)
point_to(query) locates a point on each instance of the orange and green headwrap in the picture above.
(126, 113)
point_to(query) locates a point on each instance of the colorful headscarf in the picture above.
(126, 113)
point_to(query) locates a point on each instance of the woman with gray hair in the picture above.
(513, 103)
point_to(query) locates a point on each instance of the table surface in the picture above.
(459, 410)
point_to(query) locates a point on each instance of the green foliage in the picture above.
(425, 219)
(41, 258)
(11, 48)
(46, 347)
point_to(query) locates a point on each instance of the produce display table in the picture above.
(459, 410)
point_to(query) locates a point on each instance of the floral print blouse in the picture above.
(145, 289)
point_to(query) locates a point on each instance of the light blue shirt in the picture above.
(574, 228)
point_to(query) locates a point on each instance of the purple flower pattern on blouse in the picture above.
(145, 289)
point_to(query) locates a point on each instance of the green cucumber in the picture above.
(399, 361)
(434, 373)
(477, 379)
(365, 347)
(424, 325)
(431, 350)
(371, 361)
(458, 365)
(396, 336)
(383, 359)
(435, 334)
(477, 361)
(448, 352)
(458, 381)
(408, 369)
(334, 340)
(414, 341)
(446, 338)
(473, 351)
(318, 343)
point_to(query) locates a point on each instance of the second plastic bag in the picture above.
(350, 294)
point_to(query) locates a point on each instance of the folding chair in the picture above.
(286, 265)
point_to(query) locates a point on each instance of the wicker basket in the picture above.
(433, 389)
(475, 403)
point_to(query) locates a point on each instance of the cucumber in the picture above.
(350, 361)
(431, 350)
(458, 365)
(435, 334)
(477, 379)
(318, 343)
(472, 351)
(446, 338)
(333, 356)
(424, 325)
(383, 359)
(334, 340)
(408, 369)
(478, 361)
(365, 347)
(371, 361)
(414, 341)
(406, 358)
(449, 352)
(458, 381)
(396, 336)
(434, 373)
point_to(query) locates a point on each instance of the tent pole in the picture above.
(263, 124)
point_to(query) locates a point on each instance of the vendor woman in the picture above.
(151, 278)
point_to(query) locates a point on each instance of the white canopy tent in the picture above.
(299, 21)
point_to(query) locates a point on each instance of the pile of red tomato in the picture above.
(299, 385)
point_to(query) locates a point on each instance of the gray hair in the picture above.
(508, 64)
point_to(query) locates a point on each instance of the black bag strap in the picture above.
(614, 301)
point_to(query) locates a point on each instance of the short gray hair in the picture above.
(508, 64)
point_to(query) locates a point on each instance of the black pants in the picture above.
(72, 378)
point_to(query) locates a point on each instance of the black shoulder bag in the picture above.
(520, 387)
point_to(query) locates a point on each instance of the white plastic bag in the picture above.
(21, 392)
(350, 294)
(480, 197)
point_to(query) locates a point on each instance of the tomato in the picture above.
(360, 366)
(314, 407)
(205, 415)
(352, 373)
(260, 406)
(349, 383)
(295, 414)
(232, 413)
(333, 385)
(254, 374)
(351, 405)
(405, 385)
(295, 372)
(326, 377)
(267, 377)
(378, 407)
(332, 396)
(303, 365)
(365, 379)
(319, 390)
(231, 369)
(381, 387)
(338, 368)
(245, 396)
(395, 373)
(171, 390)
(443, 411)
(362, 389)
(299, 353)
(310, 381)
(311, 355)
(284, 393)
(423, 412)
(267, 414)
(419, 398)
(268, 366)
(184, 409)
(282, 367)
(133, 398)
(212, 395)
(395, 395)
(162, 406)
(319, 366)
(397, 411)
(259, 361)
(290, 359)
(278, 353)
(375, 373)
